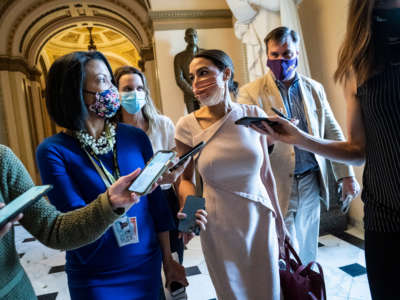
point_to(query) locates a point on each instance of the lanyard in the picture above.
(105, 175)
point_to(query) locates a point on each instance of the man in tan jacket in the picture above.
(301, 176)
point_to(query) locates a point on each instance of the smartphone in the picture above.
(185, 156)
(247, 121)
(153, 170)
(23, 201)
(192, 204)
(177, 291)
(279, 113)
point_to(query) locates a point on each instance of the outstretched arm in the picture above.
(351, 151)
(70, 230)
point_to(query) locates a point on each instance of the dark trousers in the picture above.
(175, 242)
(383, 264)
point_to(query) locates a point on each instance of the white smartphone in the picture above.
(153, 170)
(16, 206)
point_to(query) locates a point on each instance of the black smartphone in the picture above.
(192, 204)
(247, 121)
(177, 289)
(279, 113)
(16, 206)
(185, 156)
(153, 170)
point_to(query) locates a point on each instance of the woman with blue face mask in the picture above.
(82, 162)
(137, 109)
(369, 69)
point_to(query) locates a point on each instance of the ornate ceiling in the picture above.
(29, 26)
(118, 49)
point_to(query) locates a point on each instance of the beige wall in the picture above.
(169, 43)
(187, 4)
(324, 24)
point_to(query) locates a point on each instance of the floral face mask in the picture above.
(106, 104)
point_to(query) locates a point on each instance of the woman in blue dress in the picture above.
(81, 162)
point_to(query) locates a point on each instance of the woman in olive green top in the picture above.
(49, 226)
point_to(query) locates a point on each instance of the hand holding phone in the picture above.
(7, 226)
(247, 121)
(192, 205)
(19, 204)
(177, 291)
(188, 154)
(153, 170)
(279, 113)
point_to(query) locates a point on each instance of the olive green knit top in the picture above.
(52, 228)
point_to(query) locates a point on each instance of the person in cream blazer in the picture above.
(299, 194)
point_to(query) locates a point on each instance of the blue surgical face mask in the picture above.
(133, 101)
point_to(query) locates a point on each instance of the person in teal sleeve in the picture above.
(49, 226)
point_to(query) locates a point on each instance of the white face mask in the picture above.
(216, 97)
(216, 91)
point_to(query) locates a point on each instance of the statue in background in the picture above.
(181, 68)
(255, 18)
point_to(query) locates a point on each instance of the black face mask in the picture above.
(386, 29)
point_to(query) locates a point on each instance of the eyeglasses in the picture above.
(96, 93)
(89, 92)
(103, 82)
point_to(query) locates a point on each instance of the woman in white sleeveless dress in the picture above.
(240, 243)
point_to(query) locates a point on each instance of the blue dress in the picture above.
(102, 269)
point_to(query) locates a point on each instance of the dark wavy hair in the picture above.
(222, 61)
(64, 88)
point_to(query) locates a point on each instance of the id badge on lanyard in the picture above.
(125, 228)
(126, 231)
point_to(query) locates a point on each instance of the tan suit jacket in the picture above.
(321, 123)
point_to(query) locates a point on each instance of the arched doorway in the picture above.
(83, 36)
(33, 35)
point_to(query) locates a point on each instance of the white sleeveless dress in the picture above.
(240, 244)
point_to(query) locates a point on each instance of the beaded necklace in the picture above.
(104, 144)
